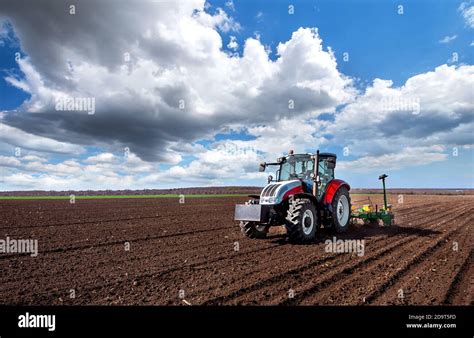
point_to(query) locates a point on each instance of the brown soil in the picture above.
(186, 254)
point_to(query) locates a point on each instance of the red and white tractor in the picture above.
(304, 196)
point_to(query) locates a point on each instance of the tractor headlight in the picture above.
(269, 200)
(272, 199)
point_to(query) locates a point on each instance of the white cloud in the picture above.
(385, 120)
(176, 53)
(19, 138)
(230, 4)
(3, 33)
(9, 161)
(25, 181)
(102, 158)
(380, 127)
(133, 164)
(34, 158)
(467, 11)
(233, 44)
(300, 135)
(219, 20)
(69, 167)
(151, 95)
(102, 171)
(447, 39)
(408, 157)
(227, 160)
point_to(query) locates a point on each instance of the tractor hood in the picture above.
(275, 193)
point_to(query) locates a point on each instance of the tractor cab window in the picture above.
(285, 172)
(325, 171)
(326, 174)
(298, 167)
(295, 168)
(308, 170)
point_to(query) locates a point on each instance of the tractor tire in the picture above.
(254, 230)
(301, 221)
(341, 206)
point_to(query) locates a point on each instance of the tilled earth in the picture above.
(194, 253)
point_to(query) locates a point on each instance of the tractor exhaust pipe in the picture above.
(316, 174)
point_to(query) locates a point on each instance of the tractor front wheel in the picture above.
(254, 230)
(301, 221)
(341, 210)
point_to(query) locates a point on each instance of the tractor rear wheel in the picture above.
(254, 230)
(341, 210)
(301, 221)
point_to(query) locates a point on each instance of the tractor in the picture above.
(303, 196)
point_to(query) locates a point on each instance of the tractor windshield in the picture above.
(296, 167)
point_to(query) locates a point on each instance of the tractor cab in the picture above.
(301, 167)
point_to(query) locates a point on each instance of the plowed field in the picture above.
(158, 251)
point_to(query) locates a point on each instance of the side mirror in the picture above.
(262, 167)
(270, 178)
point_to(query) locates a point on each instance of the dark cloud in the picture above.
(419, 126)
(174, 55)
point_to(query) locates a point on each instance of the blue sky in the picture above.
(380, 44)
(223, 132)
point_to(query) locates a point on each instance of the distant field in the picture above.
(117, 196)
(79, 197)
(91, 197)
(199, 192)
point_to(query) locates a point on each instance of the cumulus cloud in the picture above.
(227, 160)
(19, 138)
(9, 161)
(178, 84)
(390, 127)
(409, 157)
(102, 158)
(429, 106)
(101, 171)
(467, 11)
(33, 158)
(167, 81)
(233, 44)
(49, 181)
(230, 4)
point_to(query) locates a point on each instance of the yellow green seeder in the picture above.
(369, 214)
